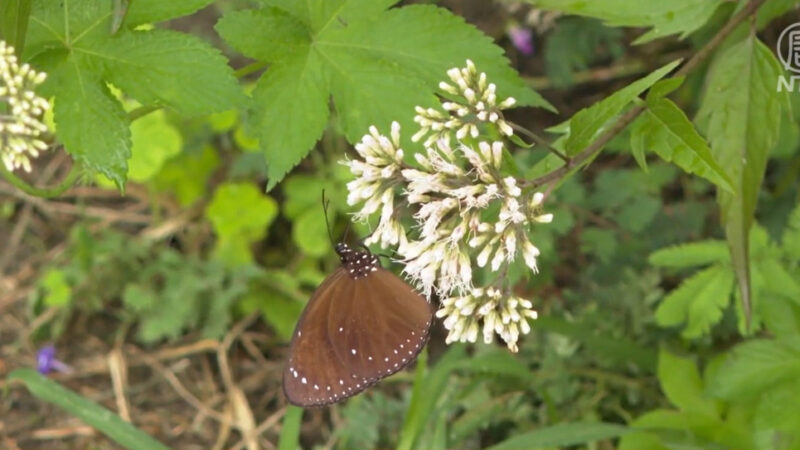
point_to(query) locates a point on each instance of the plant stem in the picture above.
(22, 185)
(539, 141)
(629, 116)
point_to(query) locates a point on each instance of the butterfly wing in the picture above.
(352, 333)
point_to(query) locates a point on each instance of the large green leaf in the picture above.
(664, 18)
(153, 11)
(757, 366)
(376, 64)
(586, 123)
(14, 15)
(83, 106)
(73, 43)
(108, 423)
(740, 113)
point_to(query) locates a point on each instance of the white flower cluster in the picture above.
(478, 105)
(464, 207)
(20, 111)
(502, 314)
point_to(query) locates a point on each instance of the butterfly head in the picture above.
(358, 264)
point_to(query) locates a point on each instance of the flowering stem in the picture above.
(539, 141)
(629, 116)
(23, 186)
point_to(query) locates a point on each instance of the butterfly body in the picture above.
(362, 324)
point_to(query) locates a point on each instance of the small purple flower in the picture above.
(522, 38)
(46, 361)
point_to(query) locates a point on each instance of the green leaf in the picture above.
(176, 69)
(562, 435)
(620, 351)
(497, 362)
(154, 11)
(310, 233)
(248, 31)
(290, 430)
(155, 140)
(781, 316)
(777, 409)
(187, 174)
(757, 366)
(83, 107)
(240, 214)
(665, 18)
(698, 301)
(72, 42)
(108, 423)
(14, 15)
(662, 88)
(681, 382)
(664, 129)
(791, 235)
(303, 193)
(292, 102)
(691, 255)
(586, 123)
(377, 65)
(741, 113)
(59, 292)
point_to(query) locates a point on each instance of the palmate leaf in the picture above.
(664, 18)
(741, 114)
(376, 64)
(71, 41)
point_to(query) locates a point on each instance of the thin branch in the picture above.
(629, 116)
(539, 141)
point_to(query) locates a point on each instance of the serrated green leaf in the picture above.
(586, 123)
(562, 435)
(248, 31)
(672, 17)
(176, 69)
(377, 65)
(781, 316)
(691, 255)
(791, 235)
(108, 423)
(664, 129)
(292, 102)
(756, 366)
(82, 107)
(14, 15)
(740, 113)
(680, 380)
(154, 11)
(698, 301)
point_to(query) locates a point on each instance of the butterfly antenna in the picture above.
(325, 203)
